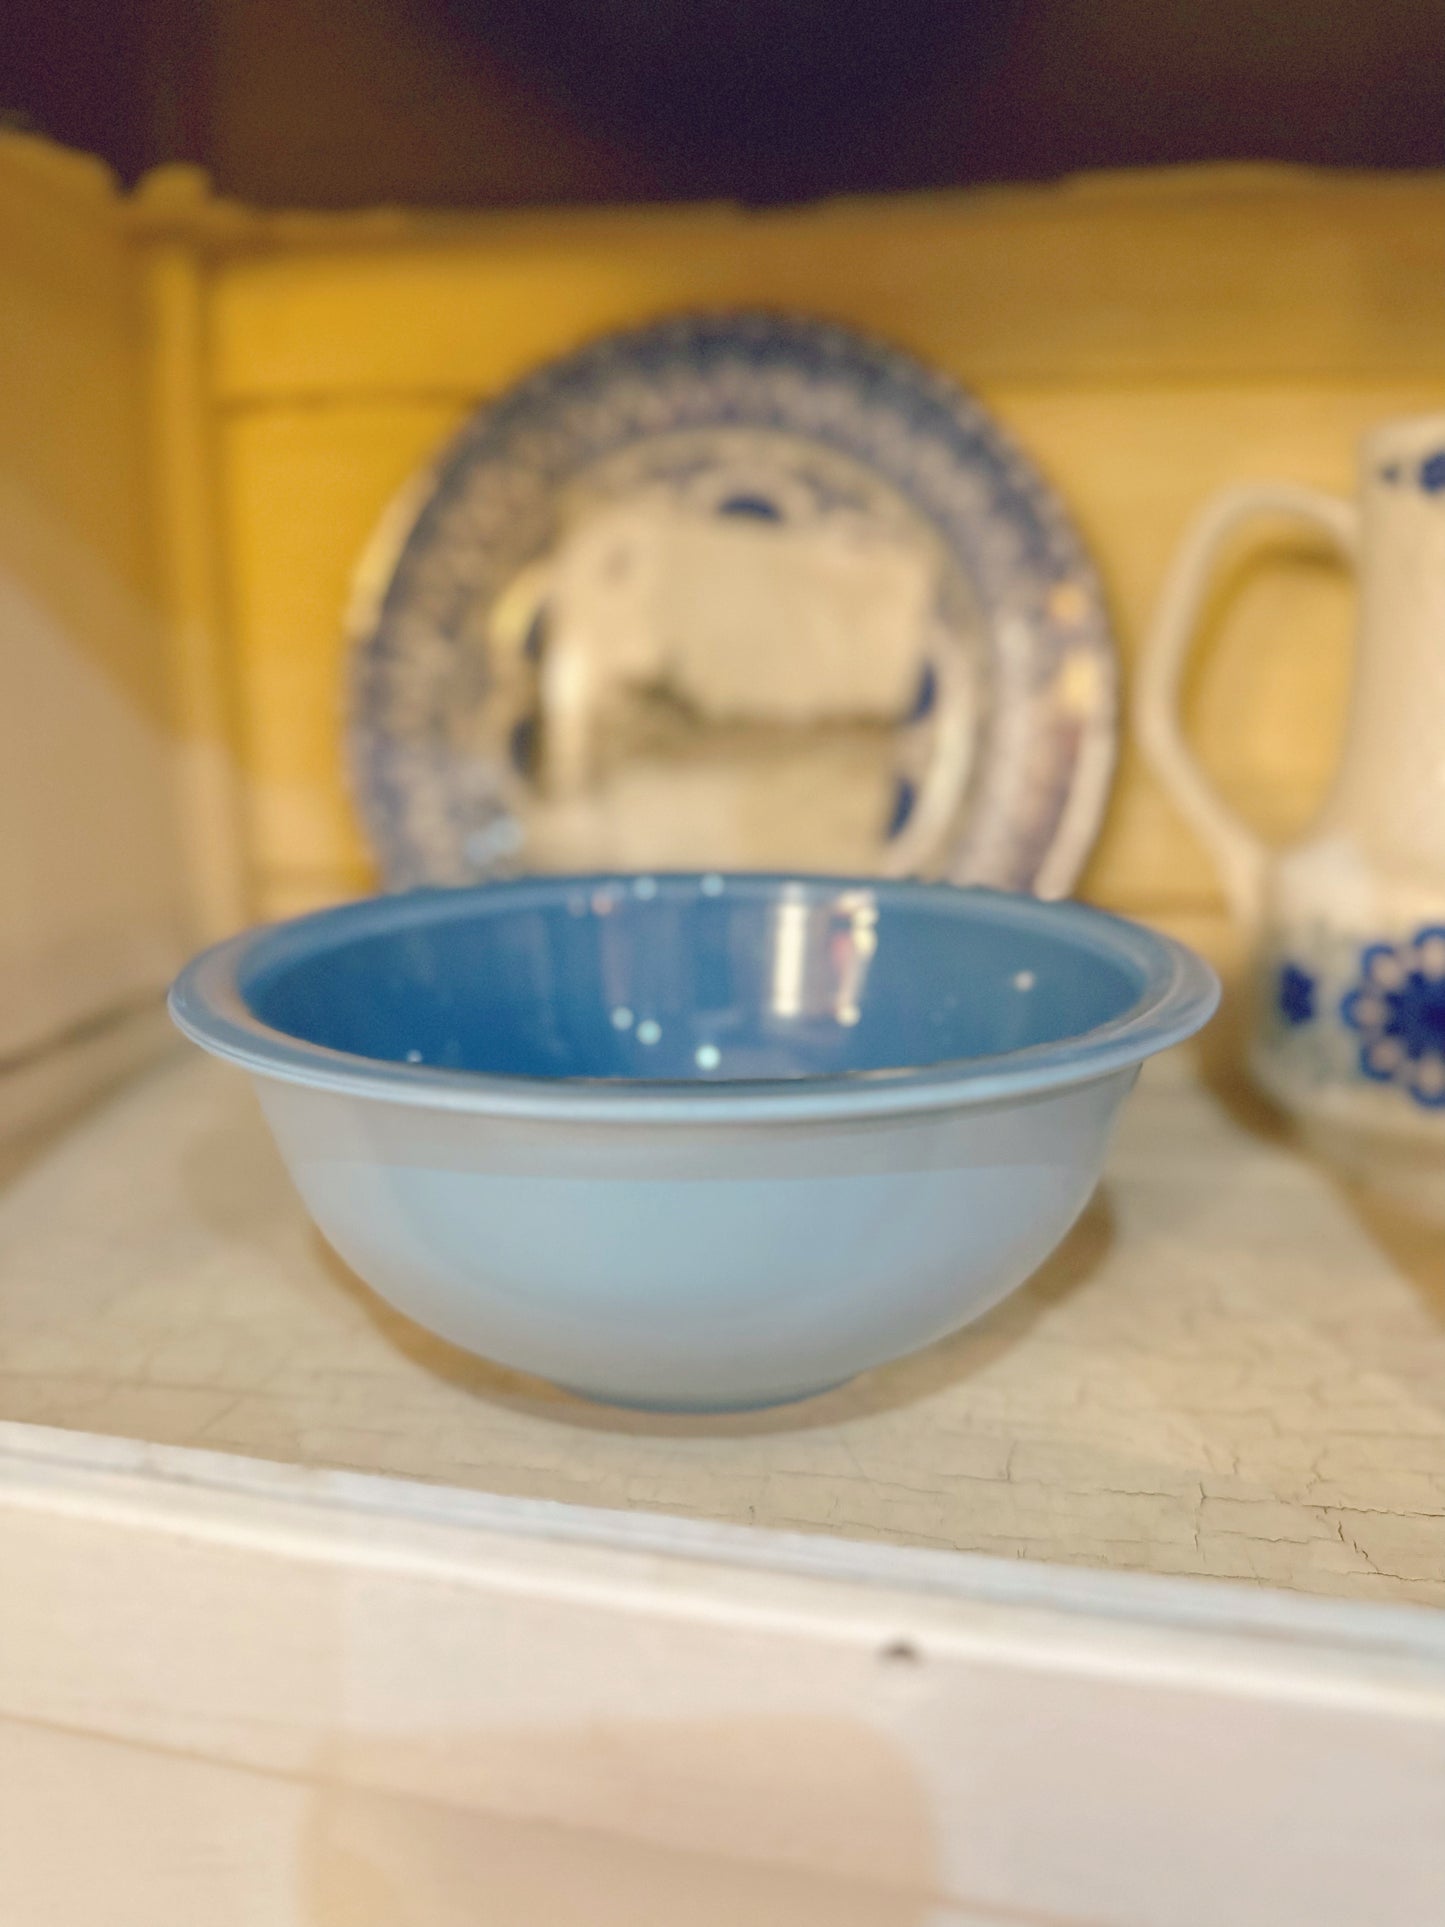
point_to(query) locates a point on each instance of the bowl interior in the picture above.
(685, 979)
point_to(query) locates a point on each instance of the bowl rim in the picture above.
(1180, 994)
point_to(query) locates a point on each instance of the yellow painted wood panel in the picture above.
(304, 487)
(184, 512)
(1210, 274)
(91, 902)
(302, 492)
(72, 421)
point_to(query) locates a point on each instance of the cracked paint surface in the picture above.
(1229, 1370)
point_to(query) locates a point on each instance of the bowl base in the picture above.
(699, 1407)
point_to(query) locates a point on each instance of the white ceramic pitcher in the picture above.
(1348, 926)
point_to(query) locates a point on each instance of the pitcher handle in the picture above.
(1239, 854)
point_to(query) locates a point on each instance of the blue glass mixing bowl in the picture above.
(694, 1142)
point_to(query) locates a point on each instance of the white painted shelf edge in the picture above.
(240, 1682)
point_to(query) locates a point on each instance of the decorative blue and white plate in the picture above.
(734, 591)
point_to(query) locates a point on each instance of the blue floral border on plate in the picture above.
(1047, 749)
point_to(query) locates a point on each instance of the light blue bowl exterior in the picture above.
(694, 1142)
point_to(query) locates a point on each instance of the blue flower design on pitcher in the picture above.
(1296, 995)
(1398, 1008)
(1430, 474)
